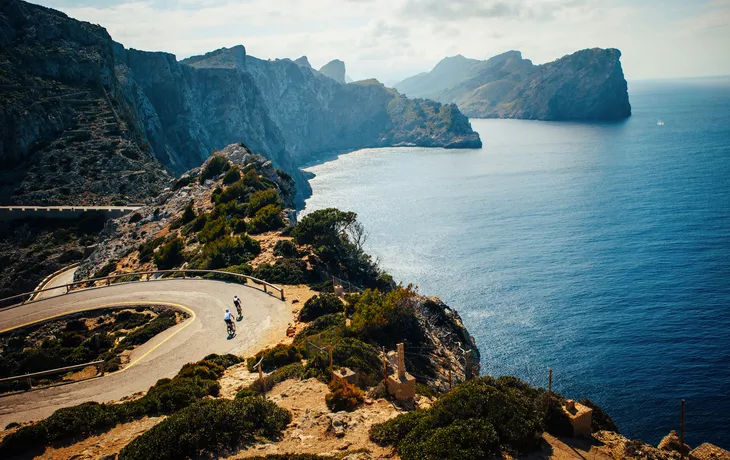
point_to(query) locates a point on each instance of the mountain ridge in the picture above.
(586, 85)
(144, 114)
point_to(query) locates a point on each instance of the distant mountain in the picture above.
(84, 119)
(586, 85)
(334, 69)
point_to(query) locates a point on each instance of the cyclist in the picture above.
(228, 318)
(237, 304)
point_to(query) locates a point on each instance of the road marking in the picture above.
(117, 304)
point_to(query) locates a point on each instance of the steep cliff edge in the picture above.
(66, 131)
(586, 85)
(113, 118)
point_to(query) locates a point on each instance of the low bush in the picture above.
(209, 426)
(147, 250)
(282, 272)
(285, 248)
(106, 270)
(232, 175)
(170, 254)
(476, 419)
(319, 305)
(267, 218)
(387, 318)
(194, 382)
(164, 321)
(214, 229)
(343, 396)
(275, 357)
(136, 217)
(228, 251)
(360, 357)
(215, 166)
(261, 199)
(188, 214)
(236, 192)
(324, 330)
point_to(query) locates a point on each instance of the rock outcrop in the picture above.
(334, 69)
(113, 118)
(67, 133)
(586, 85)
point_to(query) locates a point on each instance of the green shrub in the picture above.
(471, 438)
(136, 217)
(147, 250)
(252, 180)
(170, 254)
(165, 397)
(284, 271)
(183, 182)
(188, 214)
(232, 175)
(274, 357)
(238, 226)
(266, 219)
(343, 396)
(387, 318)
(476, 419)
(228, 251)
(216, 165)
(214, 229)
(209, 426)
(319, 305)
(285, 248)
(396, 429)
(261, 199)
(360, 357)
(330, 327)
(236, 192)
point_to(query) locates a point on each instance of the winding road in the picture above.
(265, 319)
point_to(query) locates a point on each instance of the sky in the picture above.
(393, 39)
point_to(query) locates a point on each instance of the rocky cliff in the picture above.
(67, 134)
(586, 85)
(113, 118)
(334, 69)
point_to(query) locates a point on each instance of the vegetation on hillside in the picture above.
(477, 419)
(79, 339)
(194, 382)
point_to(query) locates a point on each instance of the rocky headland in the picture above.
(116, 120)
(586, 85)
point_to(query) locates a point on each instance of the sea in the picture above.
(600, 250)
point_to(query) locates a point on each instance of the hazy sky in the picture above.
(393, 39)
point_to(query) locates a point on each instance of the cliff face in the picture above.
(586, 85)
(335, 70)
(114, 118)
(66, 130)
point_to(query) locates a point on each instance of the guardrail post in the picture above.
(265, 289)
(101, 369)
(282, 293)
(30, 383)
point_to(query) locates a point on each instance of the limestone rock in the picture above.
(586, 85)
(334, 69)
(671, 443)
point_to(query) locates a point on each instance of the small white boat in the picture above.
(660, 123)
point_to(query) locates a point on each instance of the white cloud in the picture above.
(392, 39)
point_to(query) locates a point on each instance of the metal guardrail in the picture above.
(108, 279)
(98, 364)
(48, 278)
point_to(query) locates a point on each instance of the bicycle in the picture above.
(238, 309)
(230, 328)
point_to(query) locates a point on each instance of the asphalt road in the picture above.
(65, 277)
(265, 319)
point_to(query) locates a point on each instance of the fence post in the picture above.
(681, 436)
(401, 362)
(261, 380)
(282, 293)
(550, 385)
(468, 371)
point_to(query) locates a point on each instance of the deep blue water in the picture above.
(600, 250)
